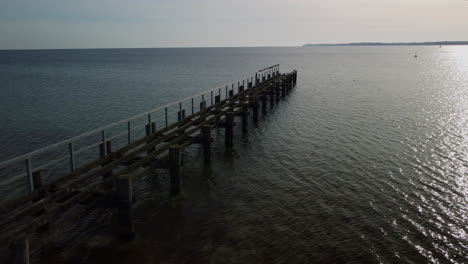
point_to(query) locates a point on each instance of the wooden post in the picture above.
(231, 93)
(104, 152)
(255, 110)
(229, 129)
(245, 117)
(19, 252)
(241, 88)
(37, 179)
(206, 140)
(249, 85)
(283, 87)
(202, 105)
(180, 116)
(124, 195)
(217, 99)
(175, 168)
(272, 96)
(264, 104)
(151, 129)
(277, 91)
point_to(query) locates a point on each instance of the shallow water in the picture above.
(365, 162)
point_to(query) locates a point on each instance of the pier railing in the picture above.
(17, 175)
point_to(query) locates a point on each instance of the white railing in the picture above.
(122, 133)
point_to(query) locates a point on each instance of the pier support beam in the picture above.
(124, 194)
(255, 110)
(206, 141)
(271, 94)
(229, 133)
(283, 87)
(264, 104)
(245, 117)
(175, 168)
(104, 152)
(19, 251)
(277, 92)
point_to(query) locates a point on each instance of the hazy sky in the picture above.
(193, 23)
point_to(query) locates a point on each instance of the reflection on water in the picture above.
(365, 162)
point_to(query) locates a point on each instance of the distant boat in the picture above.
(415, 55)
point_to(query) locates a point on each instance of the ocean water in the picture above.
(365, 162)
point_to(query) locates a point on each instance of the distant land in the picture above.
(438, 43)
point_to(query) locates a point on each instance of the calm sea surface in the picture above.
(365, 162)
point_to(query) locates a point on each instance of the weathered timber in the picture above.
(229, 129)
(175, 168)
(124, 195)
(263, 97)
(103, 152)
(19, 251)
(255, 107)
(178, 134)
(245, 118)
(206, 141)
(108, 162)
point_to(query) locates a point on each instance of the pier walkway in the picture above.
(105, 162)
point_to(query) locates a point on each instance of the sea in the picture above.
(366, 161)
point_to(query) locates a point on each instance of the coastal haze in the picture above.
(51, 24)
(365, 161)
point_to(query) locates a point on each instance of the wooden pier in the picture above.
(113, 173)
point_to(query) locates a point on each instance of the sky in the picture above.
(50, 24)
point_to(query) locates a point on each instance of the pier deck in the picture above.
(112, 173)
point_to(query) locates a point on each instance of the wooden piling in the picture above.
(19, 251)
(271, 93)
(124, 195)
(264, 104)
(174, 137)
(277, 91)
(104, 152)
(283, 88)
(180, 115)
(151, 129)
(245, 117)
(217, 99)
(202, 105)
(206, 141)
(175, 168)
(37, 179)
(229, 131)
(255, 110)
